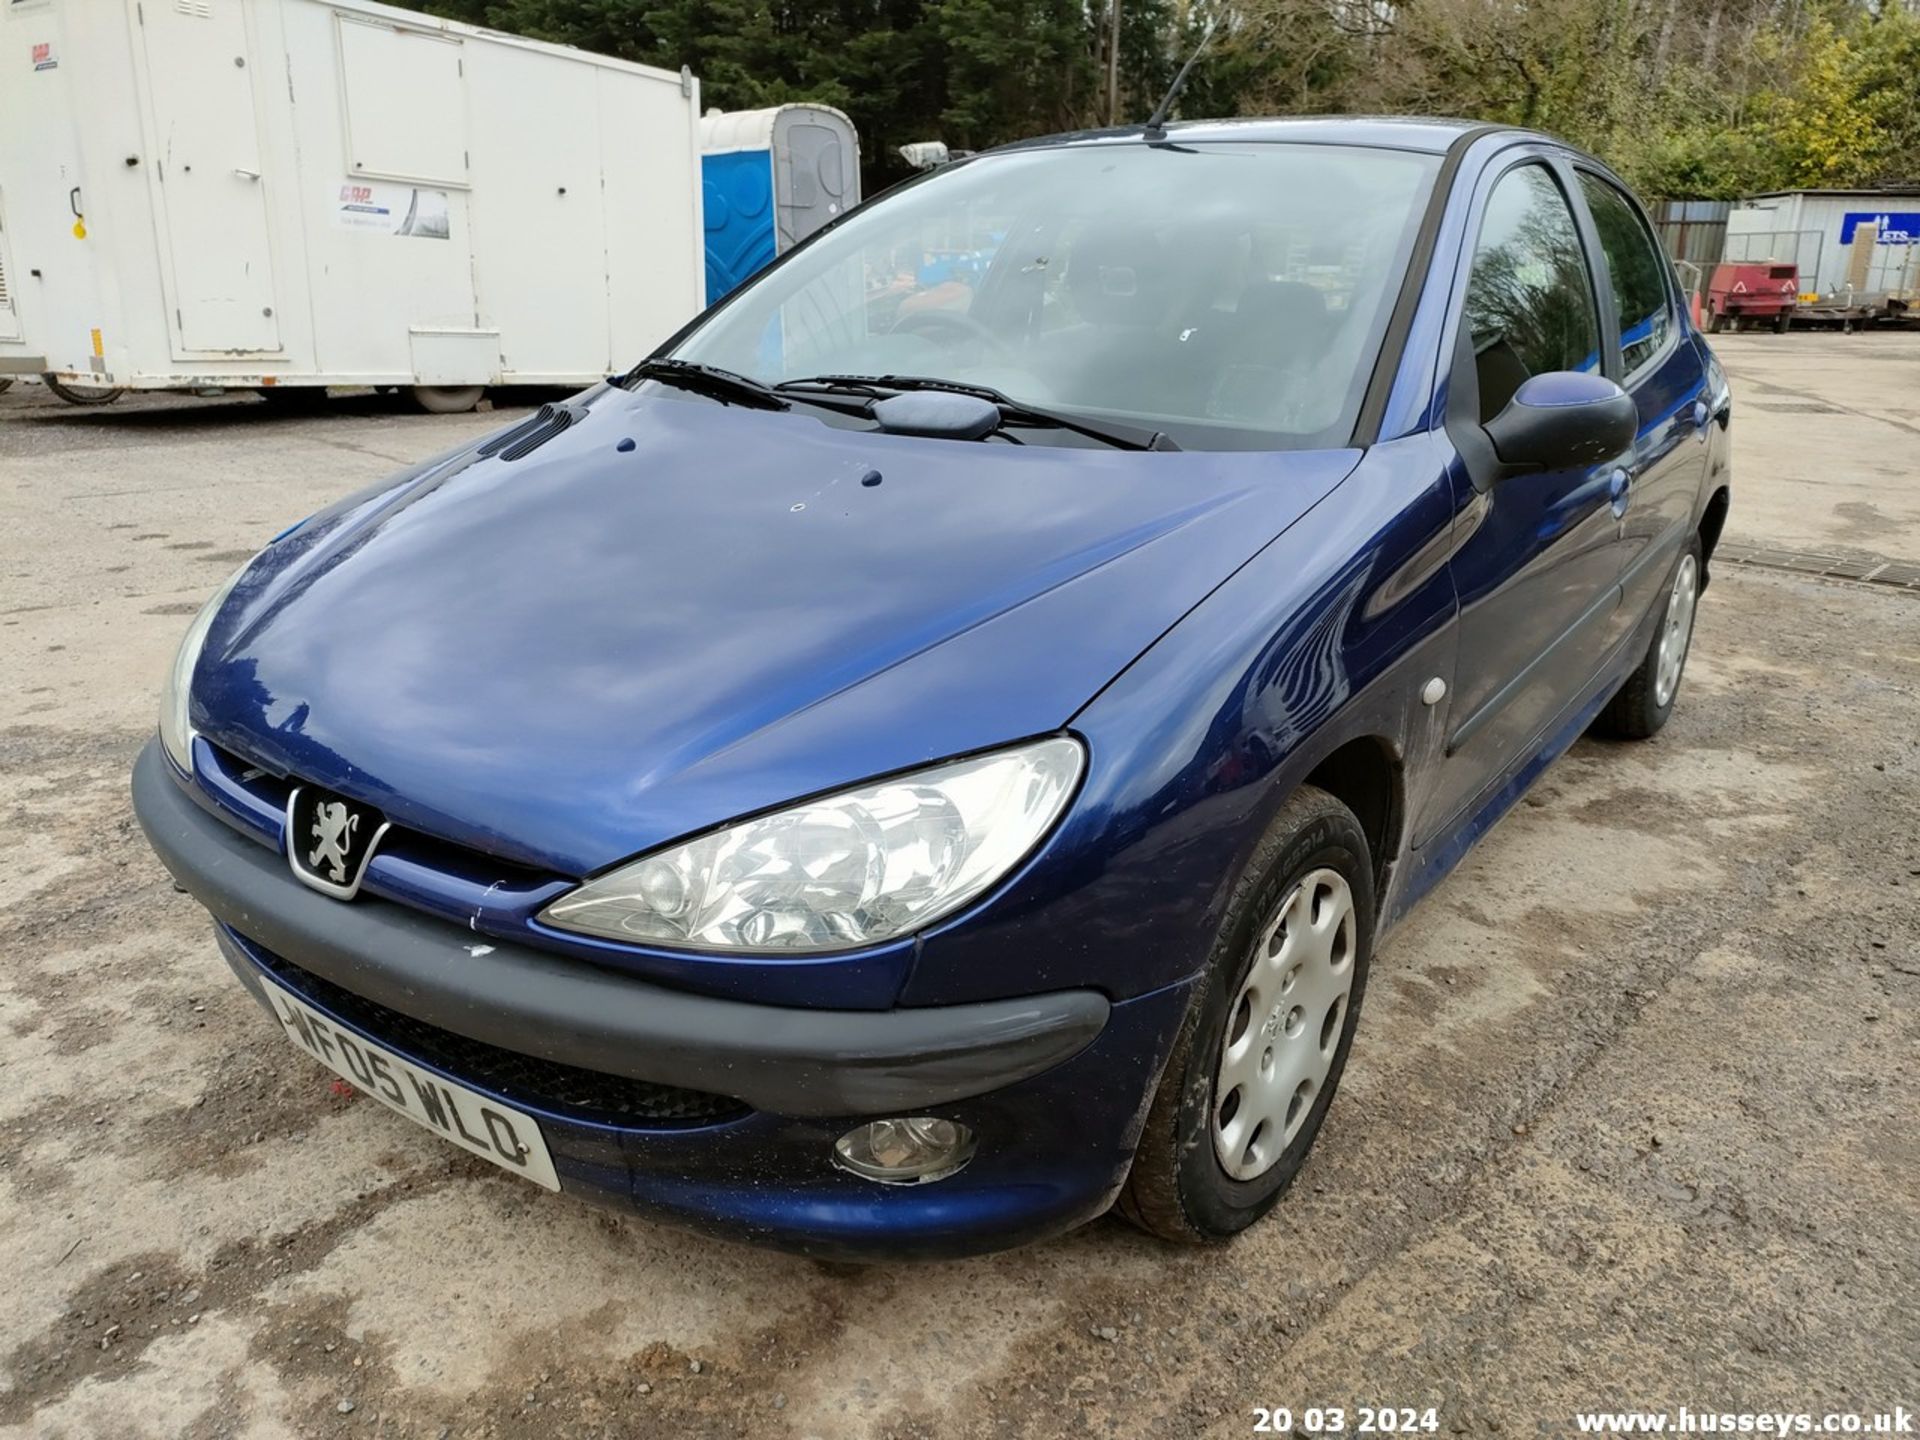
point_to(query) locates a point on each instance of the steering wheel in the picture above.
(957, 324)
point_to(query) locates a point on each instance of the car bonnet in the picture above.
(673, 613)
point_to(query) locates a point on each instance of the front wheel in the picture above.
(1265, 1039)
(1645, 702)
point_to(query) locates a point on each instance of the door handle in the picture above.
(1619, 492)
(246, 174)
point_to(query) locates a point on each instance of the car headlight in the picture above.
(175, 731)
(843, 871)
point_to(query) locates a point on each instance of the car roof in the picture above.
(1402, 132)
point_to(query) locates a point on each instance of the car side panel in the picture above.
(1537, 555)
(1536, 571)
(1718, 444)
(1427, 866)
(1670, 463)
(1680, 459)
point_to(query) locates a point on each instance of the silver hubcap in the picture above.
(1675, 631)
(1285, 1025)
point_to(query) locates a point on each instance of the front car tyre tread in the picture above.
(1177, 1188)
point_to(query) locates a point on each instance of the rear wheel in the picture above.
(1783, 322)
(1645, 702)
(1716, 321)
(84, 394)
(447, 399)
(1265, 1039)
(5, 384)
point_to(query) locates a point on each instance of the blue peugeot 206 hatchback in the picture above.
(928, 755)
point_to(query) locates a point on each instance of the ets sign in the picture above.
(1896, 227)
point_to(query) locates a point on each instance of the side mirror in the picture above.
(1564, 419)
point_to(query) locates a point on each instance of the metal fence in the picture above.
(1693, 230)
(1800, 248)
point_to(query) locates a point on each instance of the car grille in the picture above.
(522, 1079)
(270, 791)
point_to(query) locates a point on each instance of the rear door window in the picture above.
(1637, 270)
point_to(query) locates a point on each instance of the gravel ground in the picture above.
(1631, 1119)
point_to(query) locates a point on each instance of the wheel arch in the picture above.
(1713, 519)
(1368, 776)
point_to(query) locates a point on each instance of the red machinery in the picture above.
(1743, 293)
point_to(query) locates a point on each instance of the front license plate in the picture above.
(474, 1122)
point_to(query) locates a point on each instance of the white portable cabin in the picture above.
(770, 179)
(1816, 229)
(236, 193)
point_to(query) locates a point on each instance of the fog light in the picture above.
(906, 1151)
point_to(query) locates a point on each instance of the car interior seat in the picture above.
(1279, 331)
(1121, 353)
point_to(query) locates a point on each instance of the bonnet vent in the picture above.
(533, 432)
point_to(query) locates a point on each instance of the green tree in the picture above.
(1684, 97)
(1013, 68)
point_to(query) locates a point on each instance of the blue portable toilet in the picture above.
(770, 179)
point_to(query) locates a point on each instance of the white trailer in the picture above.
(299, 193)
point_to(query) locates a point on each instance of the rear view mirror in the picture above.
(1564, 419)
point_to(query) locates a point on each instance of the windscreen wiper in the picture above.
(708, 380)
(731, 387)
(1012, 412)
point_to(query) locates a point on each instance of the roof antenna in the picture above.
(1157, 124)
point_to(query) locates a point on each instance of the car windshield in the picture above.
(1231, 296)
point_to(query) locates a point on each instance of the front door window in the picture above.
(1529, 303)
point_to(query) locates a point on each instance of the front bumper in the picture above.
(1055, 1086)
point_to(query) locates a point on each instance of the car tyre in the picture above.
(1181, 1188)
(1645, 703)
